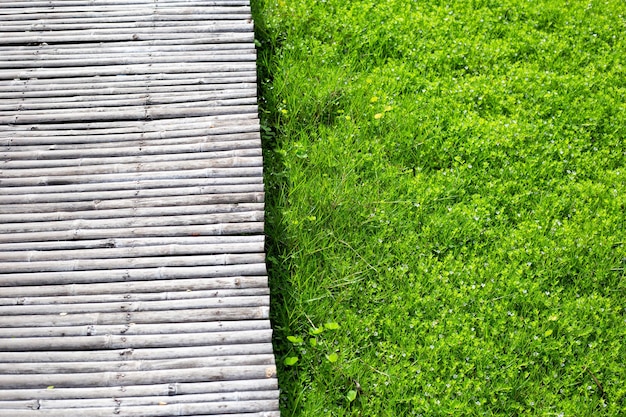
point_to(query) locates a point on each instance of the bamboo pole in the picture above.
(200, 76)
(130, 366)
(21, 91)
(117, 298)
(92, 3)
(98, 379)
(160, 201)
(125, 60)
(139, 329)
(142, 97)
(237, 35)
(147, 108)
(145, 103)
(226, 41)
(51, 231)
(171, 284)
(127, 126)
(208, 208)
(135, 391)
(41, 27)
(134, 28)
(48, 197)
(136, 355)
(57, 166)
(124, 263)
(147, 142)
(142, 401)
(136, 69)
(135, 166)
(95, 342)
(201, 145)
(153, 47)
(131, 307)
(203, 131)
(35, 7)
(134, 48)
(258, 408)
(140, 158)
(128, 243)
(41, 20)
(245, 171)
(131, 113)
(143, 251)
(138, 185)
(121, 275)
(168, 82)
(100, 49)
(76, 91)
(169, 316)
(93, 141)
(68, 93)
(120, 126)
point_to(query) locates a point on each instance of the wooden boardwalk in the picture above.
(132, 266)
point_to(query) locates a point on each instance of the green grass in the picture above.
(446, 199)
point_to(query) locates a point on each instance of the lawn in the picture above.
(446, 205)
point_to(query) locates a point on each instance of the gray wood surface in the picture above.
(132, 264)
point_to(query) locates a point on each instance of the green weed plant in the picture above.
(446, 182)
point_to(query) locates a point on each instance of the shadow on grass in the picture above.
(276, 190)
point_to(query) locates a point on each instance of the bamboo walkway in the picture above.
(132, 266)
